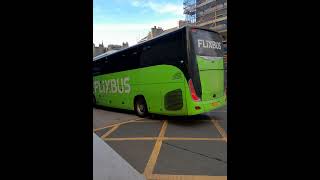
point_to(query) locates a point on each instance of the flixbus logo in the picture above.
(120, 85)
(208, 44)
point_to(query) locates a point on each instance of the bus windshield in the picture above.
(207, 44)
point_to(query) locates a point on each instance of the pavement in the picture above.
(165, 147)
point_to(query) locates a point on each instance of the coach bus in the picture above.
(178, 73)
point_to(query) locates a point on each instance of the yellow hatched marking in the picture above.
(220, 129)
(155, 152)
(130, 139)
(164, 138)
(184, 177)
(129, 121)
(109, 132)
(146, 121)
(192, 139)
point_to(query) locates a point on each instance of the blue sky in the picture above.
(117, 21)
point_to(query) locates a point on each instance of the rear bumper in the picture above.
(207, 106)
(214, 104)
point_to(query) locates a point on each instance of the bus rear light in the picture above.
(193, 92)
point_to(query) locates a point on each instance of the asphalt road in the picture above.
(168, 147)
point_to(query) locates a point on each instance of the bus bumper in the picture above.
(207, 106)
(214, 104)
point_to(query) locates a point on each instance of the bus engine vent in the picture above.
(173, 100)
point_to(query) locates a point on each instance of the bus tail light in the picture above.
(193, 92)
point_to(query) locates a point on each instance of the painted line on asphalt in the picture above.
(191, 139)
(110, 131)
(155, 152)
(220, 129)
(131, 139)
(184, 177)
(145, 121)
(164, 139)
(129, 121)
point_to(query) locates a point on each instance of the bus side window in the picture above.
(96, 68)
(106, 63)
(129, 60)
(148, 57)
(166, 50)
(145, 48)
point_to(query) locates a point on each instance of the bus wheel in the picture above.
(140, 107)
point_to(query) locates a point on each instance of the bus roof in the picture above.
(116, 51)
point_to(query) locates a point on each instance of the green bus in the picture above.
(178, 73)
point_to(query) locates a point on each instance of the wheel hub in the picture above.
(141, 107)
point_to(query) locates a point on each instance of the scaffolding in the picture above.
(211, 14)
(206, 13)
(189, 9)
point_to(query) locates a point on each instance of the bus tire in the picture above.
(140, 107)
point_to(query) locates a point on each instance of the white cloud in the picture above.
(176, 9)
(131, 33)
(136, 3)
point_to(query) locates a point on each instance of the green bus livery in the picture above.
(178, 73)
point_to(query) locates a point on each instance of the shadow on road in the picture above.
(182, 120)
(115, 110)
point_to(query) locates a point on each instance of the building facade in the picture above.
(117, 47)
(156, 31)
(99, 49)
(111, 47)
(211, 14)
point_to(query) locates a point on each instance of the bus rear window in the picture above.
(207, 44)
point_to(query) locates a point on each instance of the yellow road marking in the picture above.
(155, 152)
(192, 139)
(129, 121)
(164, 138)
(184, 177)
(145, 121)
(109, 132)
(220, 129)
(130, 139)
(137, 120)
